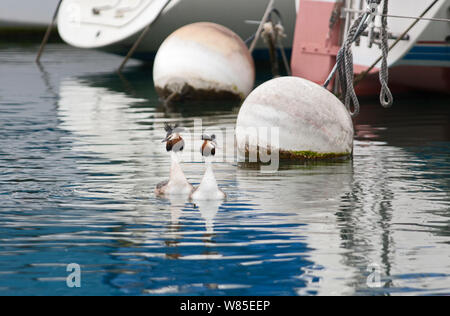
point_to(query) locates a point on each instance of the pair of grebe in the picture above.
(178, 184)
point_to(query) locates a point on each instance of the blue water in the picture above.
(80, 154)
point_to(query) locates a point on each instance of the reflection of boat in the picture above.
(113, 25)
(104, 128)
(421, 59)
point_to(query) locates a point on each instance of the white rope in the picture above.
(281, 35)
(273, 35)
(261, 25)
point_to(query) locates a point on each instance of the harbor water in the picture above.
(81, 153)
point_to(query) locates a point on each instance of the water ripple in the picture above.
(80, 154)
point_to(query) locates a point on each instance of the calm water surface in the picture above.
(80, 154)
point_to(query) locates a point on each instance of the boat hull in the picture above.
(408, 79)
(421, 62)
(231, 14)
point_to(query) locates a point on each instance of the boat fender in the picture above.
(309, 122)
(203, 61)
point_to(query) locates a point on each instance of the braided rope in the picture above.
(386, 98)
(344, 63)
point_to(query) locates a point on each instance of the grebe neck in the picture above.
(209, 178)
(208, 188)
(176, 173)
(178, 183)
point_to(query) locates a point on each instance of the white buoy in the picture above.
(309, 122)
(204, 60)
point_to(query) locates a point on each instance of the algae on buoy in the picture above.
(311, 123)
(204, 61)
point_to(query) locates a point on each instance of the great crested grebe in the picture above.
(177, 184)
(208, 188)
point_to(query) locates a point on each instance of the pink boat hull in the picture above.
(315, 48)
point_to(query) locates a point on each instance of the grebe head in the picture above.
(209, 145)
(174, 141)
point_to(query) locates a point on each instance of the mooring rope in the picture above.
(273, 34)
(344, 65)
(47, 33)
(281, 48)
(344, 60)
(261, 25)
(270, 36)
(386, 98)
(142, 36)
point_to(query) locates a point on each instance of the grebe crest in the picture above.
(177, 184)
(208, 188)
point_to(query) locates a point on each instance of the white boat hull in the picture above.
(80, 27)
(424, 38)
(421, 62)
